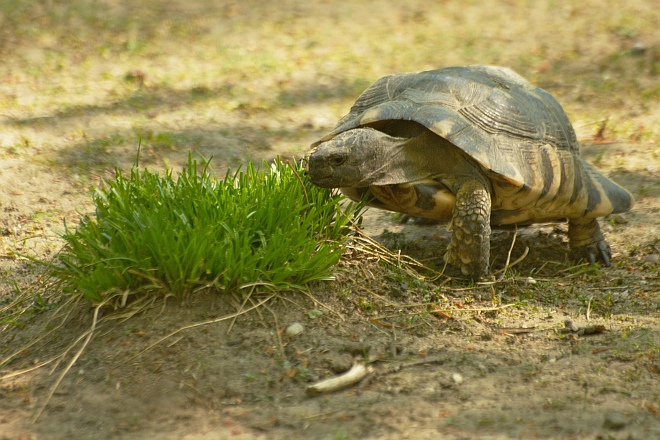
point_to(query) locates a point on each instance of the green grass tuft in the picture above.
(177, 234)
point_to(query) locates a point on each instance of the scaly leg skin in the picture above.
(587, 242)
(469, 249)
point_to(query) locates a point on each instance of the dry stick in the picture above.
(21, 298)
(387, 301)
(197, 324)
(357, 372)
(366, 272)
(135, 308)
(508, 257)
(258, 310)
(247, 298)
(233, 321)
(27, 370)
(316, 302)
(390, 257)
(62, 355)
(90, 332)
(403, 306)
(400, 367)
(481, 309)
(25, 347)
(11, 356)
(302, 185)
(381, 252)
(315, 416)
(589, 308)
(478, 309)
(442, 272)
(397, 368)
(540, 268)
(574, 267)
(173, 343)
(277, 331)
(71, 346)
(522, 257)
(577, 266)
(323, 306)
(404, 262)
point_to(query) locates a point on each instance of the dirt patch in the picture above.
(497, 364)
(451, 359)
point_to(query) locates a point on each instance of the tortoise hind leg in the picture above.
(469, 249)
(587, 241)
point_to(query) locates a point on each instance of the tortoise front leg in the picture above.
(469, 249)
(587, 242)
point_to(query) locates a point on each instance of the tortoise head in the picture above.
(353, 159)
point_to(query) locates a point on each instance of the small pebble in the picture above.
(570, 325)
(652, 258)
(294, 329)
(457, 378)
(340, 362)
(233, 342)
(614, 421)
(638, 48)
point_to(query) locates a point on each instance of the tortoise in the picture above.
(477, 146)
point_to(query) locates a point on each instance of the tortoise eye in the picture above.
(336, 160)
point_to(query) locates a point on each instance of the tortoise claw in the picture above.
(605, 252)
(587, 242)
(599, 251)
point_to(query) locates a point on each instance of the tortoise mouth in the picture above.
(324, 181)
(330, 177)
(327, 178)
(329, 170)
(318, 173)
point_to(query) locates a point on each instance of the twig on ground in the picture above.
(522, 257)
(377, 250)
(357, 372)
(322, 305)
(508, 256)
(398, 367)
(578, 330)
(90, 333)
(277, 331)
(240, 308)
(48, 333)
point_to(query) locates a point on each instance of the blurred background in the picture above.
(82, 81)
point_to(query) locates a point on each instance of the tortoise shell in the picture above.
(517, 133)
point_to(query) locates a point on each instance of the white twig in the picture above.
(357, 372)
